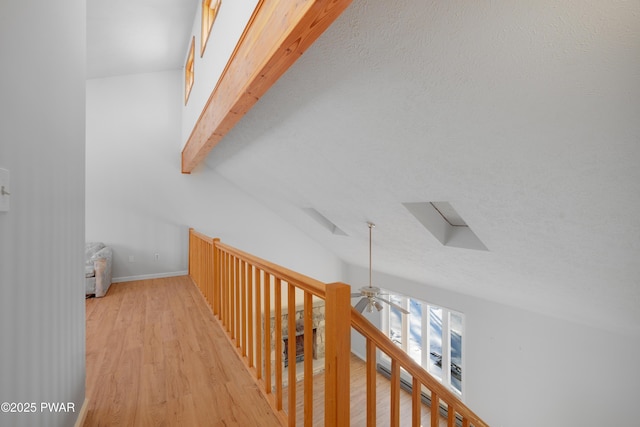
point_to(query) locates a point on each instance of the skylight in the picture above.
(323, 221)
(449, 214)
(445, 224)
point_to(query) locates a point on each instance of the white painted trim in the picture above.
(149, 276)
(446, 349)
(83, 413)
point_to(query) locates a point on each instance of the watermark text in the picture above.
(33, 407)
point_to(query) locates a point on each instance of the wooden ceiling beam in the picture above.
(276, 36)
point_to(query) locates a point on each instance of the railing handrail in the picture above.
(201, 236)
(384, 343)
(309, 284)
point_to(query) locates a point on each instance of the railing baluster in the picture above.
(211, 269)
(416, 403)
(227, 295)
(205, 278)
(205, 269)
(223, 284)
(237, 304)
(232, 298)
(259, 329)
(278, 339)
(395, 394)
(192, 250)
(371, 384)
(242, 296)
(308, 359)
(435, 409)
(291, 353)
(250, 313)
(208, 272)
(451, 415)
(203, 265)
(229, 298)
(216, 278)
(267, 334)
(231, 288)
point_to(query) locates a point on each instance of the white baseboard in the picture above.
(83, 413)
(148, 276)
(358, 355)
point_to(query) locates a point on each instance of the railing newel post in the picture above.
(337, 354)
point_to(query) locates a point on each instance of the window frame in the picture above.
(189, 71)
(446, 377)
(209, 15)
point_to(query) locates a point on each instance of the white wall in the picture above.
(42, 120)
(528, 370)
(139, 202)
(133, 126)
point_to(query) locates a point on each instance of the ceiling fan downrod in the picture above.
(370, 295)
(371, 227)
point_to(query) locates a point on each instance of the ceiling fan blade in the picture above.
(362, 304)
(392, 304)
(358, 294)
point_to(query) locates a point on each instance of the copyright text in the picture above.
(33, 407)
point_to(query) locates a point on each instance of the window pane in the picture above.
(456, 351)
(415, 330)
(395, 321)
(435, 341)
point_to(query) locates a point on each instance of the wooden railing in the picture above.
(456, 410)
(243, 290)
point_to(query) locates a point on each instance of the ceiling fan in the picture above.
(371, 296)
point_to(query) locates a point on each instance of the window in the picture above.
(209, 12)
(188, 72)
(431, 335)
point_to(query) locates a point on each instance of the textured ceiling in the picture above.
(524, 116)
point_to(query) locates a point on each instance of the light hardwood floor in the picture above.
(157, 357)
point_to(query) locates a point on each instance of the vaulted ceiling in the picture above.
(137, 36)
(525, 118)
